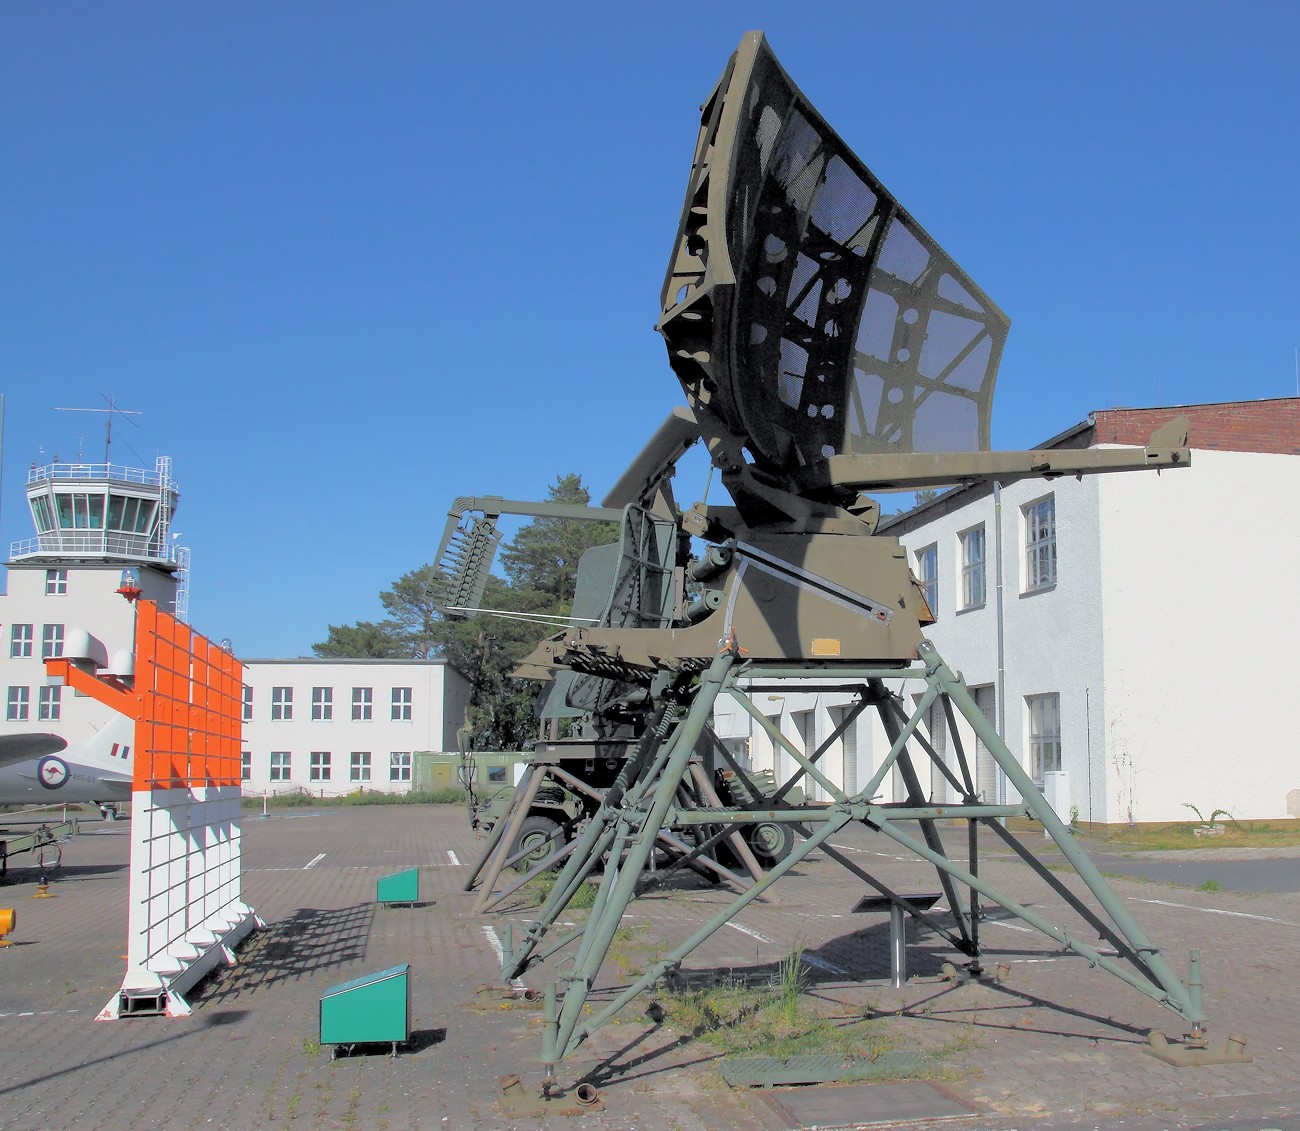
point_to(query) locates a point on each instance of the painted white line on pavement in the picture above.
(42, 1013)
(1009, 926)
(867, 851)
(751, 933)
(812, 960)
(312, 863)
(822, 964)
(1219, 911)
(453, 857)
(494, 942)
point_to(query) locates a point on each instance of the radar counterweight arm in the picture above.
(1166, 448)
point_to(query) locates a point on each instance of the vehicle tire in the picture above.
(538, 837)
(769, 842)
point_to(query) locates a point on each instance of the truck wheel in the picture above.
(538, 838)
(770, 842)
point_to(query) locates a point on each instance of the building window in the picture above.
(496, 775)
(51, 641)
(1044, 733)
(927, 567)
(1040, 544)
(19, 704)
(49, 704)
(280, 765)
(360, 765)
(281, 704)
(20, 640)
(43, 515)
(399, 765)
(319, 769)
(56, 582)
(248, 704)
(972, 568)
(363, 699)
(401, 704)
(246, 765)
(322, 704)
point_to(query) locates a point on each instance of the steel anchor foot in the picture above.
(1192, 1055)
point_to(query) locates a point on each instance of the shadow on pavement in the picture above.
(309, 941)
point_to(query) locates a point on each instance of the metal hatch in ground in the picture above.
(861, 1105)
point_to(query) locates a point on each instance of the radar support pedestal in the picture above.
(643, 803)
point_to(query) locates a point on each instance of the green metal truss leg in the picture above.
(640, 826)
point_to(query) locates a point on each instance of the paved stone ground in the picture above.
(1052, 1044)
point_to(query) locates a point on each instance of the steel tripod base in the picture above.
(649, 798)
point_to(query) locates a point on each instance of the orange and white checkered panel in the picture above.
(189, 727)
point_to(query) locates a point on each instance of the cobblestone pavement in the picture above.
(1053, 1043)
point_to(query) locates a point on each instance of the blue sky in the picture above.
(354, 260)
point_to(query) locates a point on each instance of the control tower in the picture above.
(100, 512)
(93, 521)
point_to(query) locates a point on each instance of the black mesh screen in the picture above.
(850, 330)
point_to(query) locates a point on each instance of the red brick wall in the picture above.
(1234, 426)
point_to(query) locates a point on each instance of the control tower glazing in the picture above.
(100, 512)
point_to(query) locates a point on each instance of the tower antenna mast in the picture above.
(108, 419)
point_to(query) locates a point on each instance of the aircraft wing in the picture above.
(25, 747)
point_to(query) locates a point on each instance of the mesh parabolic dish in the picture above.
(804, 308)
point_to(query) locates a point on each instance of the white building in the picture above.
(335, 726)
(1128, 629)
(330, 726)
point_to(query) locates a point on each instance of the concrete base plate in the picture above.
(860, 1105)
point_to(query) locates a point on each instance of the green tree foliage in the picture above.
(543, 557)
(368, 640)
(540, 564)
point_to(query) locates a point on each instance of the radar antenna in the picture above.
(827, 347)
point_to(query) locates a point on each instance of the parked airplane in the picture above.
(43, 769)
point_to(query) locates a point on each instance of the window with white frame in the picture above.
(322, 704)
(1040, 544)
(281, 765)
(401, 704)
(49, 704)
(363, 701)
(1044, 718)
(927, 569)
(20, 699)
(248, 704)
(399, 765)
(360, 765)
(281, 704)
(245, 765)
(972, 567)
(318, 768)
(56, 582)
(20, 639)
(51, 641)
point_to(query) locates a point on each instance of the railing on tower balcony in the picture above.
(113, 471)
(106, 542)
